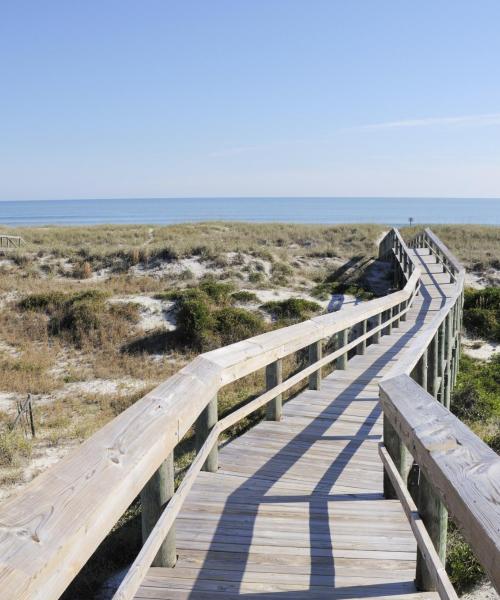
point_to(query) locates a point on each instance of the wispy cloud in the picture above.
(482, 119)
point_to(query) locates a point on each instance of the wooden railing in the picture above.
(453, 469)
(10, 241)
(51, 528)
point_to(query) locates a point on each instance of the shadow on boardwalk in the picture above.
(252, 494)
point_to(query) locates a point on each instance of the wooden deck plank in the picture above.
(296, 507)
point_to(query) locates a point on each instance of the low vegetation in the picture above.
(83, 318)
(291, 310)
(482, 313)
(476, 401)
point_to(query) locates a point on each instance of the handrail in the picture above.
(80, 499)
(458, 471)
(463, 470)
(10, 241)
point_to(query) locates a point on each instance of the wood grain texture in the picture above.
(462, 469)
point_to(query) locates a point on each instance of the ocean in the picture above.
(390, 211)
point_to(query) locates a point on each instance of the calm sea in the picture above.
(391, 211)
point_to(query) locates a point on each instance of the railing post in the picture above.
(315, 354)
(448, 345)
(204, 424)
(441, 338)
(154, 496)
(274, 376)
(403, 306)
(433, 359)
(423, 363)
(394, 312)
(361, 347)
(342, 340)
(435, 518)
(376, 336)
(399, 454)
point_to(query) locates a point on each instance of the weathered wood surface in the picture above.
(42, 551)
(432, 560)
(463, 470)
(10, 241)
(296, 507)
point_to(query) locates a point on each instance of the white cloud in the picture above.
(482, 119)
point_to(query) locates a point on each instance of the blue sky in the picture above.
(249, 98)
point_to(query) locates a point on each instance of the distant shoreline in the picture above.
(322, 211)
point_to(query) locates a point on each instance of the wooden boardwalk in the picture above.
(296, 509)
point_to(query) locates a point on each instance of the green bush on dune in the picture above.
(482, 313)
(82, 318)
(206, 318)
(476, 401)
(292, 309)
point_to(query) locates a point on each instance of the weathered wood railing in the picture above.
(10, 241)
(456, 470)
(50, 529)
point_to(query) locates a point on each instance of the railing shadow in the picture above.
(247, 498)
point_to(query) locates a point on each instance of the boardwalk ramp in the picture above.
(342, 492)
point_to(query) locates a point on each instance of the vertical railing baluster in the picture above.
(204, 424)
(154, 496)
(361, 347)
(435, 518)
(376, 336)
(315, 354)
(342, 340)
(274, 376)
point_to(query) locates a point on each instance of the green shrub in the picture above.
(43, 302)
(257, 277)
(216, 291)
(83, 317)
(482, 313)
(235, 324)
(477, 394)
(243, 296)
(194, 321)
(296, 309)
(461, 564)
(326, 289)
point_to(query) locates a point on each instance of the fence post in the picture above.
(274, 376)
(361, 347)
(435, 518)
(441, 338)
(448, 350)
(376, 336)
(154, 496)
(315, 354)
(204, 424)
(403, 306)
(432, 380)
(342, 340)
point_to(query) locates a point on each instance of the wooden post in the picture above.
(204, 424)
(315, 354)
(342, 340)
(376, 336)
(400, 456)
(433, 357)
(395, 311)
(441, 338)
(435, 518)
(403, 306)
(154, 496)
(361, 347)
(423, 368)
(274, 376)
(448, 346)
(389, 326)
